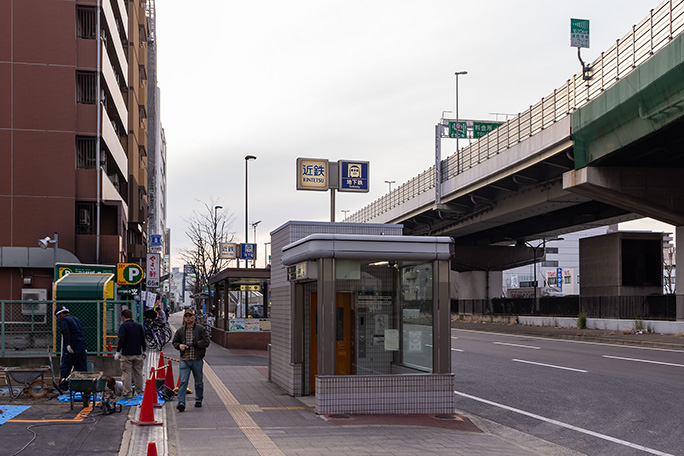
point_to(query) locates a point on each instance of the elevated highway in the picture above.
(592, 153)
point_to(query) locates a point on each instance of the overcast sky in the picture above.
(354, 79)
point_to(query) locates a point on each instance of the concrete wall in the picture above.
(657, 326)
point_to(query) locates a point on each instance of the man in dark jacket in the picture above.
(131, 352)
(74, 347)
(192, 340)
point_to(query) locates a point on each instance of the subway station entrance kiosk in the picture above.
(362, 321)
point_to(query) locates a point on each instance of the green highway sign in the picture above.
(579, 33)
(458, 129)
(480, 129)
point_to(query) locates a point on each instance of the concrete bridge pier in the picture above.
(679, 281)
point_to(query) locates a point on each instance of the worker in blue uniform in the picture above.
(73, 347)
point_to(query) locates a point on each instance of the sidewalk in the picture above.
(245, 414)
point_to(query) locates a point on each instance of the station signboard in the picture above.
(353, 176)
(312, 174)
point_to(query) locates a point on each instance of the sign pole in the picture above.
(332, 205)
(438, 164)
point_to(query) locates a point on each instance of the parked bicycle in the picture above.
(157, 334)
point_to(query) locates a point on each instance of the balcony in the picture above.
(111, 139)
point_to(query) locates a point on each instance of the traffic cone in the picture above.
(154, 382)
(146, 417)
(151, 449)
(168, 381)
(160, 367)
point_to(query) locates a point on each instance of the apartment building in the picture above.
(73, 136)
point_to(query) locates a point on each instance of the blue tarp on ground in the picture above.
(10, 411)
(136, 400)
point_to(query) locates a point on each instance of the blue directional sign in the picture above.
(354, 176)
(559, 278)
(248, 251)
(155, 239)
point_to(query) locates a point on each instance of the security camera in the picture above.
(44, 243)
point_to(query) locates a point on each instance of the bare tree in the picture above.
(207, 229)
(669, 270)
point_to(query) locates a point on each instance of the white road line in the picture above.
(549, 365)
(643, 361)
(456, 349)
(454, 337)
(565, 425)
(569, 341)
(517, 345)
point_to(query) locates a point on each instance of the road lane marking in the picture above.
(644, 361)
(549, 365)
(456, 349)
(454, 337)
(565, 425)
(517, 345)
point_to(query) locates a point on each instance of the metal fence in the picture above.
(30, 328)
(645, 39)
(657, 307)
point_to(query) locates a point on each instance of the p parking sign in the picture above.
(128, 274)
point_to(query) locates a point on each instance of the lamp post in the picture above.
(390, 185)
(266, 260)
(254, 225)
(345, 212)
(247, 159)
(216, 208)
(542, 244)
(43, 244)
(457, 74)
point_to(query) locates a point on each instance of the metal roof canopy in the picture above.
(82, 286)
(242, 275)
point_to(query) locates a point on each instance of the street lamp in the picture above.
(247, 159)
(254, 225)
(534, 248)
(390, 185)
(457, 74)
(43, 243)
(345, 212)
(216, 208)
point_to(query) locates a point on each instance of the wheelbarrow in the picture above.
(31, 377)
(86, 383)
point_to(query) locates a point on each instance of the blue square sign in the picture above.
(353, 176)
(247, 251)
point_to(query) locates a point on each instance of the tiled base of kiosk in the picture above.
(385, 394)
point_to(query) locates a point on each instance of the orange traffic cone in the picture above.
(151, 449)
(160, 367)
(168, 381)
(146, 417)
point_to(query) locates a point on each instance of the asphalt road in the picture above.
(594, 398)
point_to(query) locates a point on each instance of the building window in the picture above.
(84, 218)
(86, 87)
(86, 22)
(85, 152)
(550, 264)
(143, 75)
(551, 249)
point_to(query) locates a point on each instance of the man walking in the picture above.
(131, 352)
(192, 340)
(73, 348)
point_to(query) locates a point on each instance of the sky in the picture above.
(353, 79)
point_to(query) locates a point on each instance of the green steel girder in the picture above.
(646, 100)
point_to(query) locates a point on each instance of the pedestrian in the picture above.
(73, 346)
(192, 340)
(131, 351)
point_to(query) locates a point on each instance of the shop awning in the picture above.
(83, 286)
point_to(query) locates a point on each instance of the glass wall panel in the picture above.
(416, 316)
(389, 308)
